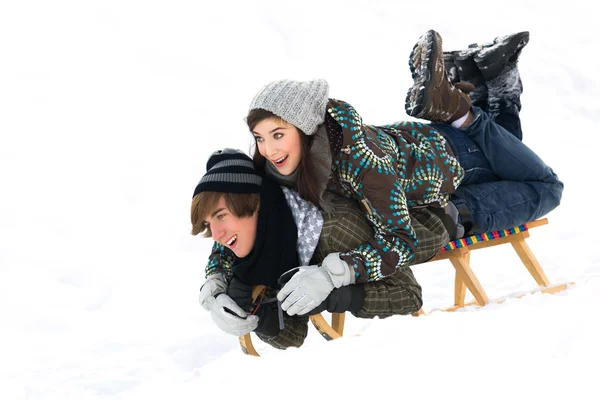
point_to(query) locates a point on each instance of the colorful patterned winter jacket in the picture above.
(386, 169)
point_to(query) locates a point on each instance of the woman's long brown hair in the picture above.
(305, 175)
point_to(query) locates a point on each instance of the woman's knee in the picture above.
(552, 197)
(557, 190)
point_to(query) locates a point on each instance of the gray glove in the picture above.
(228, 316)
(214, 285)
(309, 286)
(231, 318)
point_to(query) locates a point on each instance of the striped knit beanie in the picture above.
(302, 104)
(229, 171)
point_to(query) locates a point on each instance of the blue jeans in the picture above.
(506, 184)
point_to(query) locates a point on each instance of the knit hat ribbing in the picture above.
(302, 104)
(229, 171)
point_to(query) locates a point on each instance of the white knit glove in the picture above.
(225, 313)
(309, 286)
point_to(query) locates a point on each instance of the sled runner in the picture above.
(458, 252)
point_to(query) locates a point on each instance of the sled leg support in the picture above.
(459, 254)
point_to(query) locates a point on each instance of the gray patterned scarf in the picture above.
(309, 222)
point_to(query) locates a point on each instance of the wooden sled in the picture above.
(458, 252)
(329, 332)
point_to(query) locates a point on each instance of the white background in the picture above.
(108, 111)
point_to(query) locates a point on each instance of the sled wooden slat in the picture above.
(337, 322)
(459, 254)
(531, 263)
(329, 332)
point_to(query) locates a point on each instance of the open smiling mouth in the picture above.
(280, 161)
(232, 241)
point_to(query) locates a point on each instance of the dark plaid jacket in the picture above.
(397, 294)
(347, 227)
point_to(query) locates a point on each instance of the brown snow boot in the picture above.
(433, 97)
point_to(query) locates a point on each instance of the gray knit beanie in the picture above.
(302, 104)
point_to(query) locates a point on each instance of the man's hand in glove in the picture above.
(309, 286)
(228, 316)
(267, 313)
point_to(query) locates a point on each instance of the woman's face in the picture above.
(280, 143)
(237, 234)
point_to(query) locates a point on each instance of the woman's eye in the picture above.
(278, 135)
(258, 138)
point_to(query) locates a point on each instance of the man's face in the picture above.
(238, 234)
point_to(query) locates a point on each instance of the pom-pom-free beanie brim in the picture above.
(302, 104)
(229, 171)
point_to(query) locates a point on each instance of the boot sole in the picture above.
(421, 62)
(509, 46)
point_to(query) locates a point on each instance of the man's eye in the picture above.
(220, 216)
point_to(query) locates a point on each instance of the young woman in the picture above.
(264, 230)
(464, 164)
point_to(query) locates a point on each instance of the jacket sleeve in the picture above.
(220, 261)
(383, 199)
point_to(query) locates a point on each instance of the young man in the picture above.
(263, 230)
